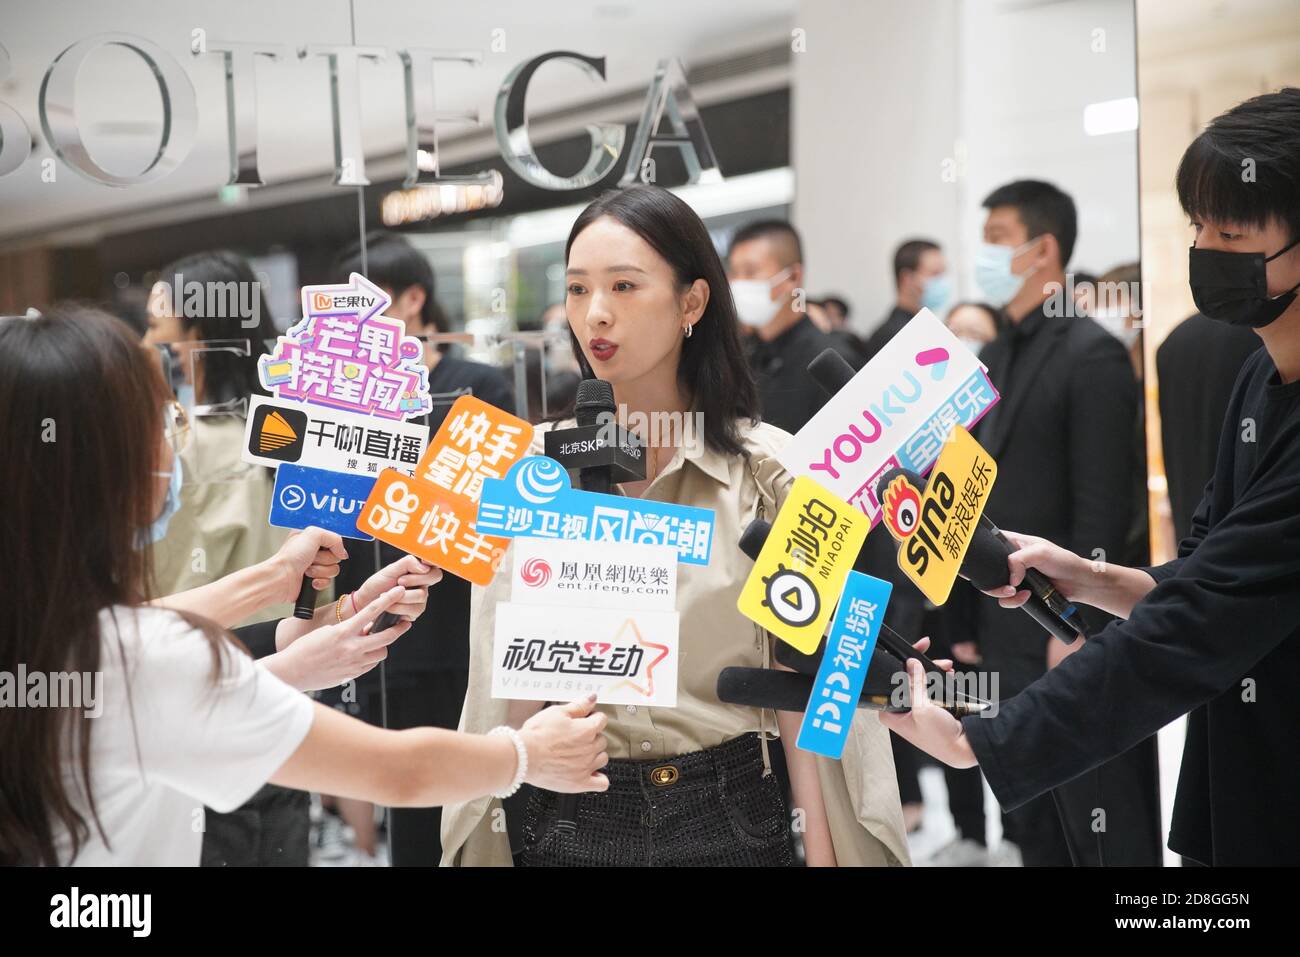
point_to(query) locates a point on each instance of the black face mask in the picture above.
(1233, 287)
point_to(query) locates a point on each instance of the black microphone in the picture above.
(599, 463)
(304, 606)
(788, 691)
(985, 564)
(985, 567)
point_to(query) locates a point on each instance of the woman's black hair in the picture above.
(713, 369)
(1244, 168)
(392, 262)
(226, 376)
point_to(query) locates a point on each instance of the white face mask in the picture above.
(753, 298)
(1115, 323)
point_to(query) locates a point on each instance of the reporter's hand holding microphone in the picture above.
(1101, 584)
(342, 642)
(566, 747)
(310, 556)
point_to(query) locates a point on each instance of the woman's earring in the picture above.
(689, 329)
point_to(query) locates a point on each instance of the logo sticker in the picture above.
(801, 569)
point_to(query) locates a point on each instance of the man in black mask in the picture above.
(1215, 632)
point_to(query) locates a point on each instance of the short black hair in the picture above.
(1043, 208)
(226, 376)
(777, 229)
(392, 262)
(839, 301)
(1261, 137)
(908, 255)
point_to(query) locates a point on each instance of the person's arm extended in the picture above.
(423, 767)
(1112, 588)
(241, 594)
(1233, 600)
(806, 792)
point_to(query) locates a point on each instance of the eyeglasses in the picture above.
(176, 426)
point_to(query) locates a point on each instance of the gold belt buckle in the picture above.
(664, 775)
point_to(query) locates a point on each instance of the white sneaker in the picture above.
(959, 852)
(331, 843)
(1006, 855)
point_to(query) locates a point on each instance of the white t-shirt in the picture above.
(191, 743)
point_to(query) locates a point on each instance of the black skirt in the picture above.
(711, 808)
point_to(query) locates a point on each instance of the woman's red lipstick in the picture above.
(602, 349)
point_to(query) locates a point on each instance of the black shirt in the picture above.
(898, 317)
(1220, 633)
(439, 639)
(787, 394)
(1197, 365)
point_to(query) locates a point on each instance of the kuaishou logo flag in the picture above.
(803, 565)
(933, 528)
(434, 515)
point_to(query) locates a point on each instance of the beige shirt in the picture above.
(221, 525)
(860, 791)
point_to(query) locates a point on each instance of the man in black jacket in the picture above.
(765, 266)
(1216, 631)
(920, 279)
(1063, 440)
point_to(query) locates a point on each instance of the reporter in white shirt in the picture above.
(183, 717)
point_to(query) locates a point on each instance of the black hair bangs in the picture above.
(1244, 168)
(1218, 186)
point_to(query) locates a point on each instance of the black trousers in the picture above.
(269, 830)
(710, 808)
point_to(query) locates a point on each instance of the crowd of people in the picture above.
(163, 574)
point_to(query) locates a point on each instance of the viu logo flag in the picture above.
(329, 500)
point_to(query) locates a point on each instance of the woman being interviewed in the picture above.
(171, 715)
(650, 312)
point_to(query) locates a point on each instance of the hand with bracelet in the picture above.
(335, 645)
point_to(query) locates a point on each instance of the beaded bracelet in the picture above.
(521, 752)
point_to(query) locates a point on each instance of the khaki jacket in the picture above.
(860, 791)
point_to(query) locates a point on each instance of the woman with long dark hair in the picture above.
(182, 717)
(650, 311)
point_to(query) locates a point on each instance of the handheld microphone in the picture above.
(985, 564)
(587, 449)
(304, 606)
(985, 567)
(788, 691)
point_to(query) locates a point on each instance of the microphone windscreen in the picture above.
(985, 563)
(753, 537)
(831, 371)
(594, 396)
(763, 688)
(882, 483)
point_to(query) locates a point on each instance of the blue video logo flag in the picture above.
(849, 644)
(330, 500)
